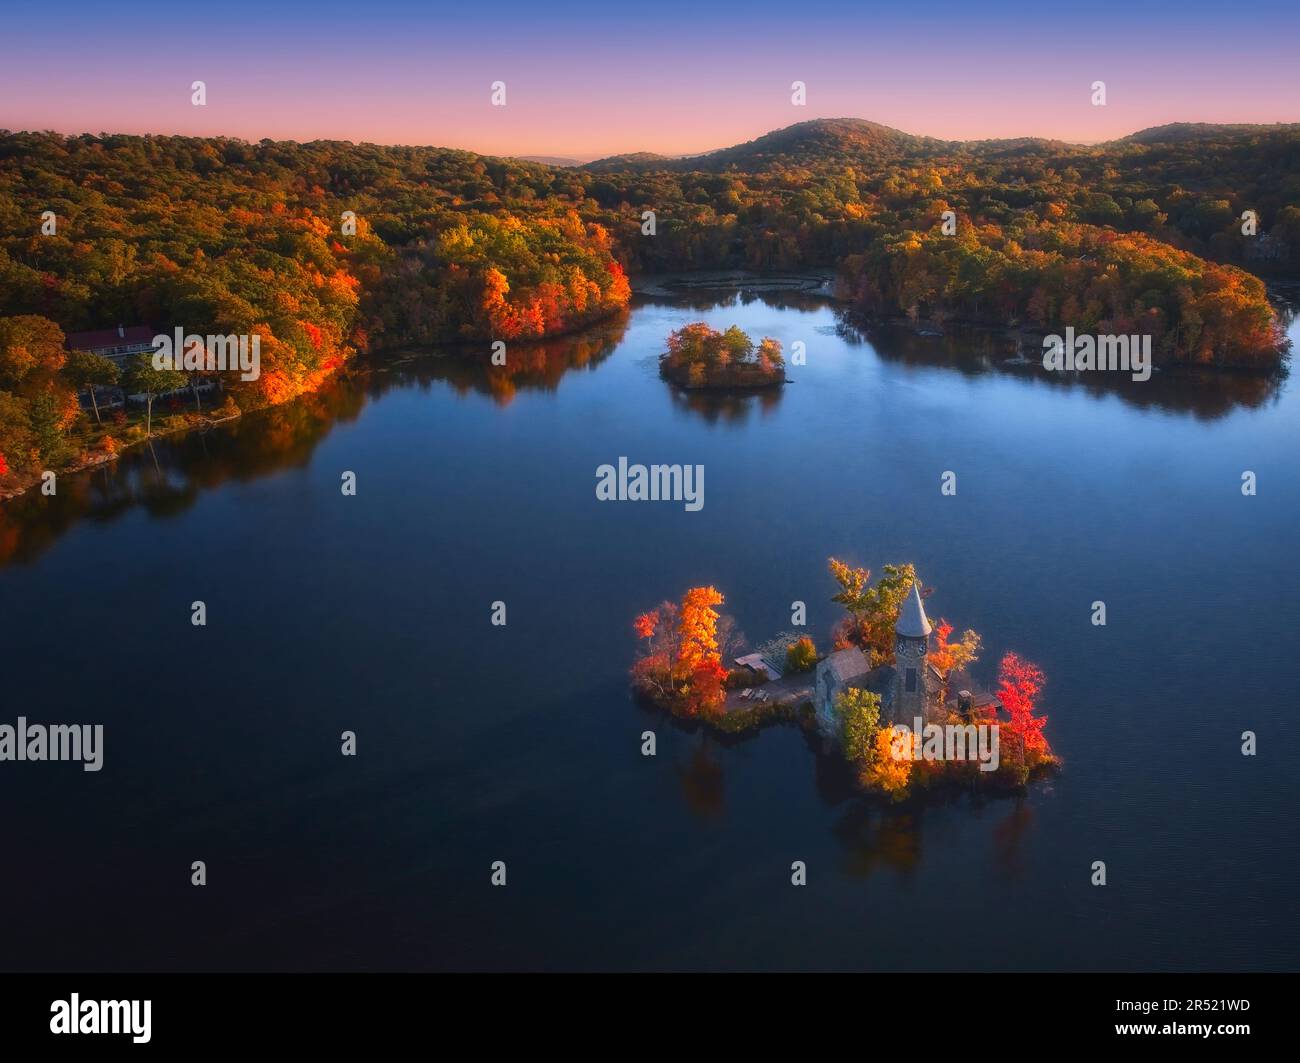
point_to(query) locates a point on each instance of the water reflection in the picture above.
(727, 407)
(167, 475)
(875, 836)
(532, 366)
(1009, 839)
(1206, 394)
(702, 781)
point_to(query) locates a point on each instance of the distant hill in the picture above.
(637, 160)
(1178, 132)
(857, 142)
(549, 160)
(822, 140)
(1023, 147)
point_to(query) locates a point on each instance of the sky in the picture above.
(585, 80)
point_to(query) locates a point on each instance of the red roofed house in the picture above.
(117, 344)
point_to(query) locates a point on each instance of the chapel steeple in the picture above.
(914, 683)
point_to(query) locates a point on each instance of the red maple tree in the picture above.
(1019, 684)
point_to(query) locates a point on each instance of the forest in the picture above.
(329, 249)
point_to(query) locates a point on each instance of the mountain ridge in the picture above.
(860, 139)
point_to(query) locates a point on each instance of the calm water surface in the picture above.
(521, 743)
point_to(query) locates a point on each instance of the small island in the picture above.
(894, 697)
(700, 357)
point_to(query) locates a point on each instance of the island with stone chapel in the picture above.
(894, 696)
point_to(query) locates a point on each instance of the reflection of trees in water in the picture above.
(166, 475)
(1206, 394)
(874, 833)
(834, 777)
(1009, 838)
(876, 836)
(529, 366)
(702, 781)
(727, 407)
(706, 299)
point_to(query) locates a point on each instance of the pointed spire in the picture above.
(912, 621)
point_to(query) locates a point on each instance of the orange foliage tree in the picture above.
(890, 768)
(697, 625)
(945, 655)
(646, 624)
(698, 659)
(682, 662)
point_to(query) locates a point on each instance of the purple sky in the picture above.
(587, 79)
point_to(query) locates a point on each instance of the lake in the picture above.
(521, 743)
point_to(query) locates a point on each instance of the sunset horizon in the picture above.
(585, 158)
(619, 85)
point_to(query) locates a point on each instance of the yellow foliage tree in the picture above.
(890, 767)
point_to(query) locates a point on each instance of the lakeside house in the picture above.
(909, 688)
(117, 345)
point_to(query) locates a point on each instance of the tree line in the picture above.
(331, 249)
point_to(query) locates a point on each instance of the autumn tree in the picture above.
(646, 624)
(698, 661)
(873, 610)
(1025, 747)
(770, 357)
(88, 371)
(858, 712)
(890, 768)
(801, 655)
(737, 344)
(17, 443)
(653, 671)
(697, 626)
(31, 352)
(143, 379)
(946, 656)
(684, 646)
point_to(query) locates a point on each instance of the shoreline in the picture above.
(370, 361)
(821, 283)
(1029, 341)
(738, 725)
(817, 283)
(95, 460)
